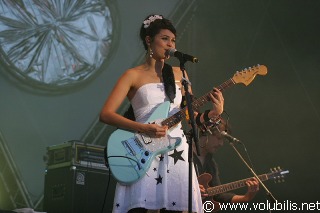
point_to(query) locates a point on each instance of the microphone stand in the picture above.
(269, 194)
(194, 135)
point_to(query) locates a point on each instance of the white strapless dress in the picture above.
(166, 183)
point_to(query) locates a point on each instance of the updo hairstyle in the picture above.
(153, 27)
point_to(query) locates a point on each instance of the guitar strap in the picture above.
(169, 88)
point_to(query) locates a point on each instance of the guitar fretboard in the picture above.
(178, 116)
(232, 186)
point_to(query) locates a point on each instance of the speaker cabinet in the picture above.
(78, 189)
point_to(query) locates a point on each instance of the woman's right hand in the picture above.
(155, 130)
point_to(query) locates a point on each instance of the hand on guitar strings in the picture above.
(253, 188)
(217, 102)
(203, 191)
(155, 130)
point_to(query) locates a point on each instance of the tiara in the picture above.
(151, 19)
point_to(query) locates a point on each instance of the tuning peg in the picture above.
(278, 180)
(277, 169)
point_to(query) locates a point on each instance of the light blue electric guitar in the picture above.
(130, 154)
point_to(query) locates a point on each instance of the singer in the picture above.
(146, 86)
(209, 143)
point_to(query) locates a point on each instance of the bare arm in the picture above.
(216, 98)
(217, 106)
(109, 113)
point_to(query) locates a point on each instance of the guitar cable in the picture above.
(107, 165)
(119, 156)
(107, 189)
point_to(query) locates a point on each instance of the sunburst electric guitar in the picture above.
(129, 154)
(276, 174)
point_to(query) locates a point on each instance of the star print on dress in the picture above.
(117, 205)
(173, 203)
(161, 157)
(155, 169)
(159, 179)
(177, 156)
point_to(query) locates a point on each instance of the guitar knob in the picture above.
(146, 153)
(143, 160)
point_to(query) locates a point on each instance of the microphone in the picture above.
(181, 56)
(230, 137)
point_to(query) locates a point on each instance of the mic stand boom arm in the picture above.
(269, 194)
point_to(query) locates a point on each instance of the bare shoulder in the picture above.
(132, 73)
(133, 78)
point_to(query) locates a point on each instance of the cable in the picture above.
(107, 189)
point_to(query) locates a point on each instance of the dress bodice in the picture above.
(149, 96)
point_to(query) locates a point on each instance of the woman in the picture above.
(146, 86)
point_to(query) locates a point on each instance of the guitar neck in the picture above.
(232, 186)
(178, 116)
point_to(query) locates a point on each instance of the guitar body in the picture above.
(204, 180)
(131, 154)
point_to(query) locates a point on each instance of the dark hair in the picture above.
(154, 28)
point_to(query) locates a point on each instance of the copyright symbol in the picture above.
(208, 206)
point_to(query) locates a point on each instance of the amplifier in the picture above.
(76, 154)
(77, 189)
(77, 180)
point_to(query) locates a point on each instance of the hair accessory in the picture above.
(151, 19)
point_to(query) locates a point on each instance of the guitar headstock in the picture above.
(277, 174)
(247, 75)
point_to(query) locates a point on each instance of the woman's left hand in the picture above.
(217, 102)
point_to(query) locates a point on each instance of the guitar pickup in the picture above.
(128, 147)
(138, 143)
